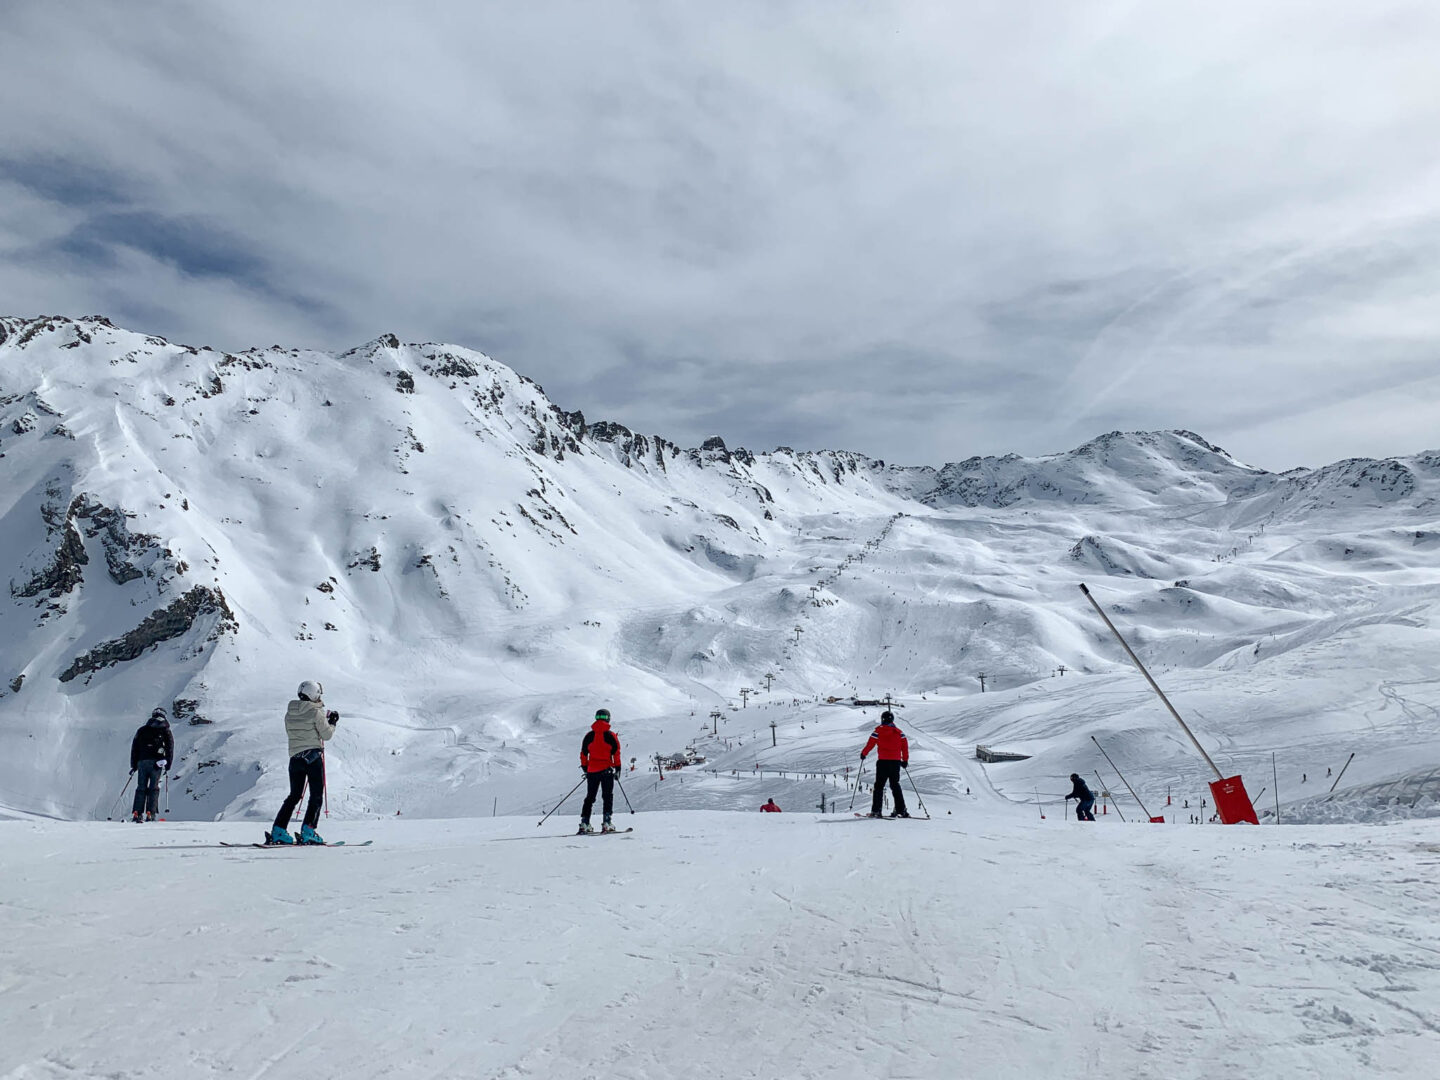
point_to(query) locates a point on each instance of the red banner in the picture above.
(1231, 802)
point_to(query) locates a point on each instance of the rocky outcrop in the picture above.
(168, 622)
(68, 525)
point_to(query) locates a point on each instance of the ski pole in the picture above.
(917, 792)
(561, 802)
(324, 783)
(110, 816)
(623, 795)
(167, 791)
(858, 775)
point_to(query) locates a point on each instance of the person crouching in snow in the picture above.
(1085, 808)
(308, 727)
(151, 752)
(770, 807)
(600, 762)
(892, 755)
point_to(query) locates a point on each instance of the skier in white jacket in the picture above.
(308, 727)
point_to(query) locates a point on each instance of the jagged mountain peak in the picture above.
(423, 529)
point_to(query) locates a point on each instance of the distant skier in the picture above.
(151, 752)
(600, 761)
(308, 727)
(892, 755)
(770, 807)
(1085, 808)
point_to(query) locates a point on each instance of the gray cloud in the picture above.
(921, 231)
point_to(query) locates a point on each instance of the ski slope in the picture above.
(472, 571)
(985, 942)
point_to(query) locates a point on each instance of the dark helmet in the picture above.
(887, 717)
(1074, 776)
(159, 714)
(602, 714)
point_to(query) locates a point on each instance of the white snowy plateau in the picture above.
(471, 572)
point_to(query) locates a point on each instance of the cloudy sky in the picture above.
(922, 231)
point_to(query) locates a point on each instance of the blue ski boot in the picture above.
(278, 835)
(310, 836)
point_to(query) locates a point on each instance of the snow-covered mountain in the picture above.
(470, 570)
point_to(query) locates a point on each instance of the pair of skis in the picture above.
(333, 843)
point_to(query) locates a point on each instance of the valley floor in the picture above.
(981, 943)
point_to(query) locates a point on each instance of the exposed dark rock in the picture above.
(164, 624)
(17, 682)
(187, 709)
(404, 382)
(370, 560)
(449, 366)
(118, 542)
(63, 572)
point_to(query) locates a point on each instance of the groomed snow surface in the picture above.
(982, 943)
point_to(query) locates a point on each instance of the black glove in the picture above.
(333, 717)
(616, 770)
(905, 765)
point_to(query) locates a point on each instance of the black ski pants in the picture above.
(147, 787)
(604, 781)
(888, 771)
(1085, 810)
(306, 767)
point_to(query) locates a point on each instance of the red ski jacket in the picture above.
(892, 743)
(600, 749)
(770, 807)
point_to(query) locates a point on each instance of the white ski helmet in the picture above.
(310, 690)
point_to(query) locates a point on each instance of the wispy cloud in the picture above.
(919, 230)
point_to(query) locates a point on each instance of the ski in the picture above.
(334, 843)
(562, 836)
(892, 817)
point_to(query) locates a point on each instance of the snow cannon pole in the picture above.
(623, 795)
(110, 816)
(1342, 771)
(1122, 777)
(561, 802)
(1231, 802)
(1275, 778)
(1106, 789)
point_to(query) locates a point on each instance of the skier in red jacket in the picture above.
(770, 807)
(892, 755)
(600, 761)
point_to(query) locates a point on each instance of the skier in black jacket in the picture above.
(151, 752)
(1085, 808)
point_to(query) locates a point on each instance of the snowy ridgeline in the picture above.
(472, 570)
